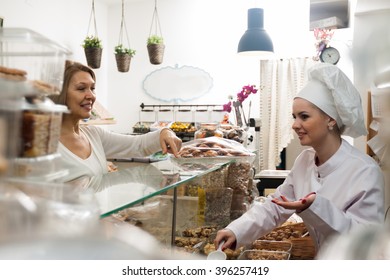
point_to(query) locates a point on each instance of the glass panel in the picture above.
(135, 182)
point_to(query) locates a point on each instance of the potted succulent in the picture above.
(93, 51)
(123, 57)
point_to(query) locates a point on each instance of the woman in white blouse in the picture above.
(89, 146)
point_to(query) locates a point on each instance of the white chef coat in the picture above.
(106, 144)
(349, 194)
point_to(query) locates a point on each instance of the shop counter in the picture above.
(162, 197)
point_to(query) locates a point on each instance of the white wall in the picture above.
(203, 34)
(199, 33)
(64, 21)
(371, 50)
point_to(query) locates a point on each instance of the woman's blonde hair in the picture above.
(71, 68)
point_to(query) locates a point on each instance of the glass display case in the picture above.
(30, 63)
(164, 198)
(31, 68)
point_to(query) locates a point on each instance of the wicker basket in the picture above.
(272, 245)
(264, 255)
(294, 227)
(94, 57)
(156, 53)
(302, 248)
(123, 62)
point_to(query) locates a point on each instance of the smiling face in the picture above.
(310, 123)
(81, 95)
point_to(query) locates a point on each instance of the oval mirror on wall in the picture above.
(177, 84)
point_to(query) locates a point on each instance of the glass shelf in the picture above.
(136, 182)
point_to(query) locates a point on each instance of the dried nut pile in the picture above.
(282, 234)
(286, 232)
(218, 204)
(264, 255)
(230, 254)
(187, 241)
(200, 231)
(238, 177)
(192, 238)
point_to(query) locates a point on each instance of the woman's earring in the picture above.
(330, 127)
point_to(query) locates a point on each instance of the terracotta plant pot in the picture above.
(123, 62)
(156, 53)
(94, 57)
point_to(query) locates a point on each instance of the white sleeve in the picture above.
(262, 218)
(121, 145)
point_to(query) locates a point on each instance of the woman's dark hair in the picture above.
(71, 68)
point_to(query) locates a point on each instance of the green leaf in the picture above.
(119, 49)
(156, 40)
(92, 42)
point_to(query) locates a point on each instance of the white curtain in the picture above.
(281, 80)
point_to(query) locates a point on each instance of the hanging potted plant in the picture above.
(155, 42)
(93, 51)
(123, 55)
(92, 44)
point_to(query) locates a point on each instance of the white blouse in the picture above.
(106, 144)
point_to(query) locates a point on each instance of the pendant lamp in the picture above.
(255, 40)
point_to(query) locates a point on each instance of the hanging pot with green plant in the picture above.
(93, 51)
(123, 58)
(156, 49)
(123, 55)
(92, 45)
(155, 42)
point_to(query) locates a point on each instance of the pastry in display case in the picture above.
(239, 173)
(213, 147)
(235, 133)
(35, 124)
(40, 126)
(9, 123)
(30, 64)
(31, 67)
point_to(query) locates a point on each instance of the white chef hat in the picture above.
(330, 90)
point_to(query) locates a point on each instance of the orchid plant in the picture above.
(245, 92)
(323, 37)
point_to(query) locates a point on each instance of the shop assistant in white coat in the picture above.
(333, 187)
